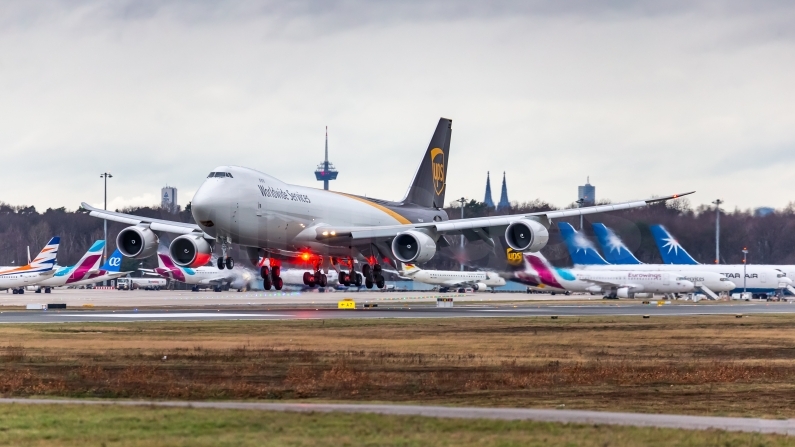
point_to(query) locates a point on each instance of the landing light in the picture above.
(325, 233)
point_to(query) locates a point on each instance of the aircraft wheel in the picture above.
(230, 263)
(343, 278)
(13, 291)
(38, 291)
(357, 280)
(277, 270)
(379, 282)
(307, 278)
(220, 263)
(278, 283)
(367, 272)
(265, 272)
(323, 281)
(47, 290)
(368, 283)
(377, 269)
(21, 291)
(266, 281)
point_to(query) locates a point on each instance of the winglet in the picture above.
(663, 199)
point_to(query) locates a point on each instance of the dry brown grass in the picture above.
(717, 365)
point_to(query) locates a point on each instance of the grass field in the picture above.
(696, 365)
(50, 425)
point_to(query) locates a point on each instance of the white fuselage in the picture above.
(758, 278)
(254, 209)
(21, 279)
(452, 278)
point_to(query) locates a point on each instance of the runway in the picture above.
(395, 311)
(785, 427)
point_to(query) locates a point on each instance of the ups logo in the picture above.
(513, 257)
(437, 164)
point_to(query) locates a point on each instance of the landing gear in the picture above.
(221, 263)
(271, 277)
(367, 272)
(373, 276)
(230, 263)
(224, 260)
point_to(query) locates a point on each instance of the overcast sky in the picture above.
(645, 98)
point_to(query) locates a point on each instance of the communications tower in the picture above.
(325, 170)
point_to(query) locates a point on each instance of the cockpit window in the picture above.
(220, 174)
(228, 175)
(212, 174)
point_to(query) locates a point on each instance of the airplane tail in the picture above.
(538, 265)
(409, 269)
(670, 250)
(89, 262)
(613, 247)
(113, 263)
(428, 187)
(45, 260)
(581, 250)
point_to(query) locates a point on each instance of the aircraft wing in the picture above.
(481, 226)
(154, 224)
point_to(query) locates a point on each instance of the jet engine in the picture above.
(623, 292)
(413, 247)
(190, 250)
(526, 235)
(137, 242)
(479, 287)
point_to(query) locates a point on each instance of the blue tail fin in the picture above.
(581, 250)
(113, 264)
(670, 250)
(613, 247)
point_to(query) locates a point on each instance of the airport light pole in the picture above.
(579, 202)
(717, 230)
(463, 202)
(745, 266)
(106, 176)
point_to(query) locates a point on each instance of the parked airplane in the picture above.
(759, 274)
(110, 270)
(336, 230)
(611, 283)
(584, 254)
(203, 277)
(479, 281)
(40, 268)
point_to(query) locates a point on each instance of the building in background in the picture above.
(325, 170)
(587, 193)
(504, 204)
(764, 211)
(168, 199)
(488, 200)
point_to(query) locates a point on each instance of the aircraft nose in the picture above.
(205, 206)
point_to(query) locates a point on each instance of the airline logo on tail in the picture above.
(581, 250)
(113, 264)
(614, 249)
(88, 263)
(670, 250)
(437, 163)
(513, 257)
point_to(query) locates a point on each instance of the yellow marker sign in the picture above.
(347, 303)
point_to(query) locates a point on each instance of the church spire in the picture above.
(504, 203)
(488, 200)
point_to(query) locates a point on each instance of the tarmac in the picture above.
(114, 306)
(754, 425)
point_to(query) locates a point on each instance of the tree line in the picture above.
(769, 239)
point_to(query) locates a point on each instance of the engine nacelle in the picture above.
(623, 292)
(413, 247)
(526, 235)
(137, 242)
(190, 250)
(480, 287)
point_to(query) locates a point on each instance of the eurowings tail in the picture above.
(45, 260)
(430, 181)
(581, 250)
(89, 263)
(670, 250)
(613, 248)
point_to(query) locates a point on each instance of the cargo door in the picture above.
(762, 277)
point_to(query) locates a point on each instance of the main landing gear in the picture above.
(373, 276)
(271, 276)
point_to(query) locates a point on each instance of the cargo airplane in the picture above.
(333, 230)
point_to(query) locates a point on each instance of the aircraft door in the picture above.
(762, 277)
(665, 279)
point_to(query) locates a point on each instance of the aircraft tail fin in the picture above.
(613, 248)
(45, 260)
(430, 181)
(670, 250)
(581, 250)
(113, 263)
(409, 269)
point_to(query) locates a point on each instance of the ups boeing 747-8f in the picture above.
(331, 229)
